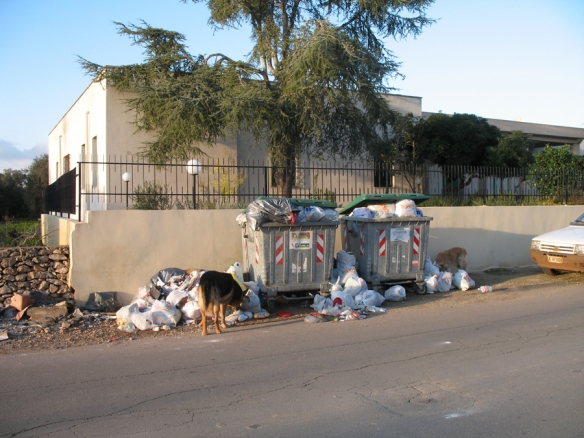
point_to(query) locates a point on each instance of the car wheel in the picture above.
(550, 271)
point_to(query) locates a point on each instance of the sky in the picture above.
(502, 59)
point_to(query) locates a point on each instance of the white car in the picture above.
(560, 250)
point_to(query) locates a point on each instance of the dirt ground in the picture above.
(97, 328)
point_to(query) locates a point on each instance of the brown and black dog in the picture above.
(217, 290)
(452, 257)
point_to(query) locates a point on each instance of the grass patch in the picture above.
(20, 233)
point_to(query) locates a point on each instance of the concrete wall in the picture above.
(56, 231)
(120, 250)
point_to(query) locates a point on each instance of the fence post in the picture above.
(566, 183)
(79, 196)
(265, 180)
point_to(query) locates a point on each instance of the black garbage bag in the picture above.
(163, 276)
(270, 210)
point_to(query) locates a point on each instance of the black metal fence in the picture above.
(119, 184)
(59, 197)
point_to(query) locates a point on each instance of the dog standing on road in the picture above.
(217, 290)
(452, 257)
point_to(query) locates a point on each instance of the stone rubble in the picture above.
(25, 270)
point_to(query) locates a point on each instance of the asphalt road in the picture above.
(507, 366)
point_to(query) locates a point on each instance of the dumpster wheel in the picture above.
(420, 288)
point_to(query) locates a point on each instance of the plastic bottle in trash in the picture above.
(238, 271)
(484, 289)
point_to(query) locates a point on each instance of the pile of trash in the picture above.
(172, 297)
(443, 281)
(404, 208)
(350, 297)
(284, 211)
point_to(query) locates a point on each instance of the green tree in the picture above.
(37, 179)
(512, 150)
(12, 189)
(313, 82)
(459, 139)
(556, 172)
(456, 140)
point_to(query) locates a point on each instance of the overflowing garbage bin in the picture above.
(288, 245)
(390, 248)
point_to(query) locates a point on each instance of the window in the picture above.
(66, 163)
(94, 161)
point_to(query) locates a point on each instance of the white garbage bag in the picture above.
(462, 280)
(252, 285)
(444, 281)
(345, 298)
(337, 285)
(170, 317)
(346, 259)
(191, 310)
(362, 212)
(143, 320)
(353, 286)
(331, 214)
(253, 302)
(430, 268)
(124, 314)
(314, 214)
(369, 298)
(321, 302)
(175, 297)
(431, 284)
(395, 293)
(405, 208)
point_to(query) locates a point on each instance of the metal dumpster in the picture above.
(388, 250)
(284, 258)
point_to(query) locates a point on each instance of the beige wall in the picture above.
(494, 236)
(120, 250)
(56, 231)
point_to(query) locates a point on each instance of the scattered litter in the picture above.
(4, 336)
(284, 314)
(484, 289)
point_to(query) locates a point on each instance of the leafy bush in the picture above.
(152, 196)
(555, 173)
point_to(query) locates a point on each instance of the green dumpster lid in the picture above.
(323, 203)
(390, 198)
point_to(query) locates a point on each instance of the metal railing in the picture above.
(120, 184)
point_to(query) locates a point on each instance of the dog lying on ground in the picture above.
(452, 257)
(217, 290)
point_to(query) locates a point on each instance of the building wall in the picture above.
(123, 258)
(84, 121)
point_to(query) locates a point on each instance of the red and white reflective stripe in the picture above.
(361, 242)
(257, 253)
(279, 250)
(345, 239)
(416, 240)
(382, 243)
(319, 248)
